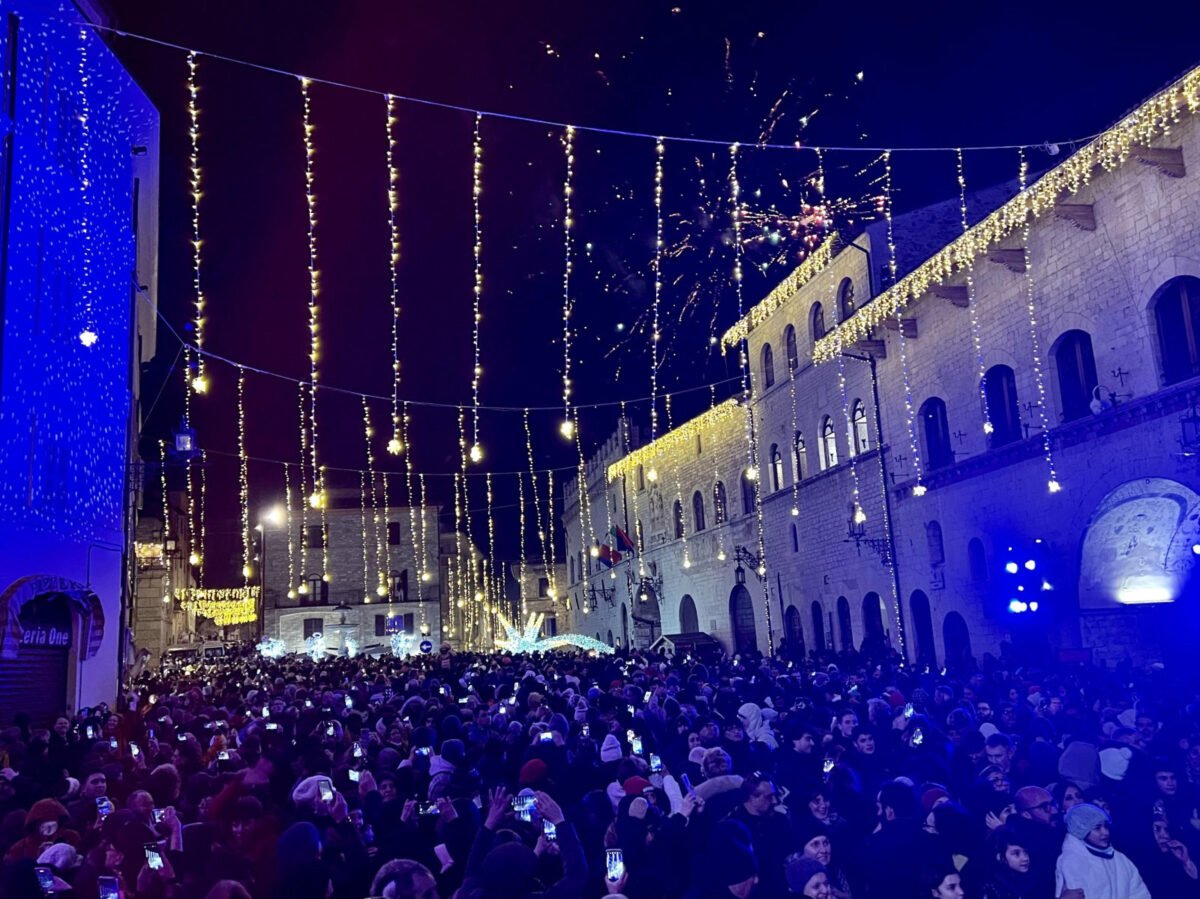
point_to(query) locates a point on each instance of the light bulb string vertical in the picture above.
(550, 526)
(362, 511)
(568, 224)
(681, 521)
(203, 519)
(972, 312)
(395, 445)
(424, 576)
(522, 595)
(491, 533)
(166, 516)
(544, 537)
(243, 476)
(86, 193)
(627, 440)
(456, 595)
(587, 525)
(659, 149)
(373, 497)
(721, 497)
(901, 339)
(1039, 378)
(794, 437)
(477, 290)
(735, 200)
(195, 183)
(893, 580)
(418, 550)
(857, 512)
(304, 504)
(287, 508)
(194, 557)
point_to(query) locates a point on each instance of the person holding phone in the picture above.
(46, 822)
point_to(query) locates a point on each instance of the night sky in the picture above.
(949, 74)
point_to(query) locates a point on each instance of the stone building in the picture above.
(537, 594)
(1036, 384)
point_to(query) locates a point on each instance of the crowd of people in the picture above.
(639, 775)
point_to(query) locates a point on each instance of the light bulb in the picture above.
(752, 473)
(395, 447)
(567, 429)
(988, 428)
(88, 337)
(721, 555)
(476, 453)
(194, 559)
(315, 499)
(762, 570)
(920, 490)
(613, 575)
(166, 598)
(381, 590)
(200, 384)
(859, 515)
(303, 590)
(478, 596)
(594, 552)
(652, 474)
(1054, 486)
(291, 594)
(245, 571)
(552, 594)
(425, 576)
(795, 512)
(687, 563)
(325, 578)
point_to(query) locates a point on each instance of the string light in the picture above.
(721, 499)
(203, 519)
(550, 531)
(792, 365)
(909, 413)
(386, 574)
(814, 264)
(621, 469)
(395, 444)
(194, 554)
(243, 475)
(681, 522)
(887, 536)
(1039, 378)
(166, 514)
(587, 528)
(491, 559)
(521, 541)
(543, 537)
(88, 336)
(425, 575)
(362, 514)
(224, 606)
(287, 505)
(567, 428)
(199, 382)
(658, 250)
(676, 437)
(477, 294)
(973, 315)
(302, 588)
(418, 552)
(860, 516)
(456, 592)
(381, 587)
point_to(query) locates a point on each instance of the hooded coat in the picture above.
(1099, 875)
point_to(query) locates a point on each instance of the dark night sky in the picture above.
(936, 74)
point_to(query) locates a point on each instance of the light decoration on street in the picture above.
(314, 647)
(1039, 375)
(417, 544)
(797, 467)
(567, 428)
(199, 381)
(362, 515)
(914, 447)
(194, 557)
(372, 496)
(426, 576)
(851, 435)
(476, 452)
(395, 444)
(203, 529)
(659, 149)
(587, 527)
(721, 500)
(683, 521)
(1106, 152)
(527, 638)
(271, 648)
(287, 506)
(683, 435)
(243, 474)
(972, 312)
(624, 470)
(458, 579)
(815, 263)
(302, 587)
(166, 515)
(544, 539)
(403, 644)
(522, 571)
(489, 579)
(148, 552)
(88, 335)
(224, 606)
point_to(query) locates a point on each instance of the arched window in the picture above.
(777, 474)
(610, 640)
(689, 621)
(933, 540)
(846, 305)
(1076, 374)
(1177, 314)
(677, 509)
(935, 431)
(749, 494)
(818, 617)
(800, 457)
(845, 625)
(768, 366)
(860, 438)
(793, 354)
(816, 320)
(1000, 388)
(795, 539)
(829, 457)
(720, 504)
(698, 511)
(976, 561)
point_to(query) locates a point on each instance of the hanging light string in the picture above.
(302, 587)
(887, 536)
(910, 415)
(797, 462)
(658, 259)
(720, 500)
(1039, 378)
(395, 444)
(203, 519)
(523, 600)
(418, 551)
(362, 507)
(550, 530)
(547, 562)
(372, 495)
(856, 509)
(456, 596)
(243, 478)
(627, 445)
(166, 514)
(490, 580)
(199, 382)
(287, 506)
(972, 312)
(385, 576)
(587, 528)
(194, 550)
(425, 575)
(682, 520)
(87, 335)
(471, 583)
(567, 428)
(477, 292)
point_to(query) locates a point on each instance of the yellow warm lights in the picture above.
(395, 446)
(225, 606)
(684, 434)
(199, 382)
(243, 472)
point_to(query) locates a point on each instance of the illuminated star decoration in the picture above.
(527, 639)
(314, 646)
(272, 648)
(403, 644)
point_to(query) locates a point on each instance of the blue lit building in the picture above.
(78, 270)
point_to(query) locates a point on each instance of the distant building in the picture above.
(78, 281)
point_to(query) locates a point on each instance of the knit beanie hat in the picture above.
(453, 751)
(806, 829)
(1114, 762)
(558, 724)
(798, 870)
(1083, 817)
(533, 772)
(610, 749)
(735, 863)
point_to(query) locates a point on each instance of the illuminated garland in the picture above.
(567, 428)
(658, 248)
(166, 514)
(476, 452)
(199, 383)
(224, 606)
(528, 639)
(547, 554)
(203, 516)
(287, 506)
(801, 275)
(972, 312)
(272, 648)
(395, 444)
(302, 587)
(623, 471)
(148, 552)
(88, 335)
(243, 475)
(683, 524)
(677, 437)
(1108, 151)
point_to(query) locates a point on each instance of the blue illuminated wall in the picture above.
(76, 197)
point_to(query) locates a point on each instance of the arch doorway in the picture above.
(845, 625)
(689, 621)
(923, 625)
(741, 620)
(957, 640)
(818, 616)
(874, 636)
(793, 630)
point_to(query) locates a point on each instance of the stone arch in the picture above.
(741, 620)
(922, 621)
(85, 603)
(689, 620)
(845, 623)
(956, 639)
(818, 617)
(874, 632)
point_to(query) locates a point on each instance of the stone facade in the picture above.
(1117, 539)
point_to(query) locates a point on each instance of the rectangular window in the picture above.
(316, 537)
(550, 626)
(313, 626)
(381, 625)
(393, 533)
(409, 623)
(543, 587)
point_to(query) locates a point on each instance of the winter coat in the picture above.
(1100, 876)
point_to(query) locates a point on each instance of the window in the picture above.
(936, 433)
(641, 478)
(393, 533)
(778, 477)
(400, 585)
(571, 565)
(720, 504)
(801, 456)
(313, 626)
(1076, 374)
(1000, 390)
(316, 537)
(795, 539)
(768, 366)
(793, 354)
(1177, 315)
(816, 319)
(698, 511)
(381, 625)
(549, 626)
(933, 540)
(846, 305)
(677, 510)
(976, 561)
(829, 457)
(749, 494)
(317, 593)
(543, 587)
(699, 450)
(860, 437)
